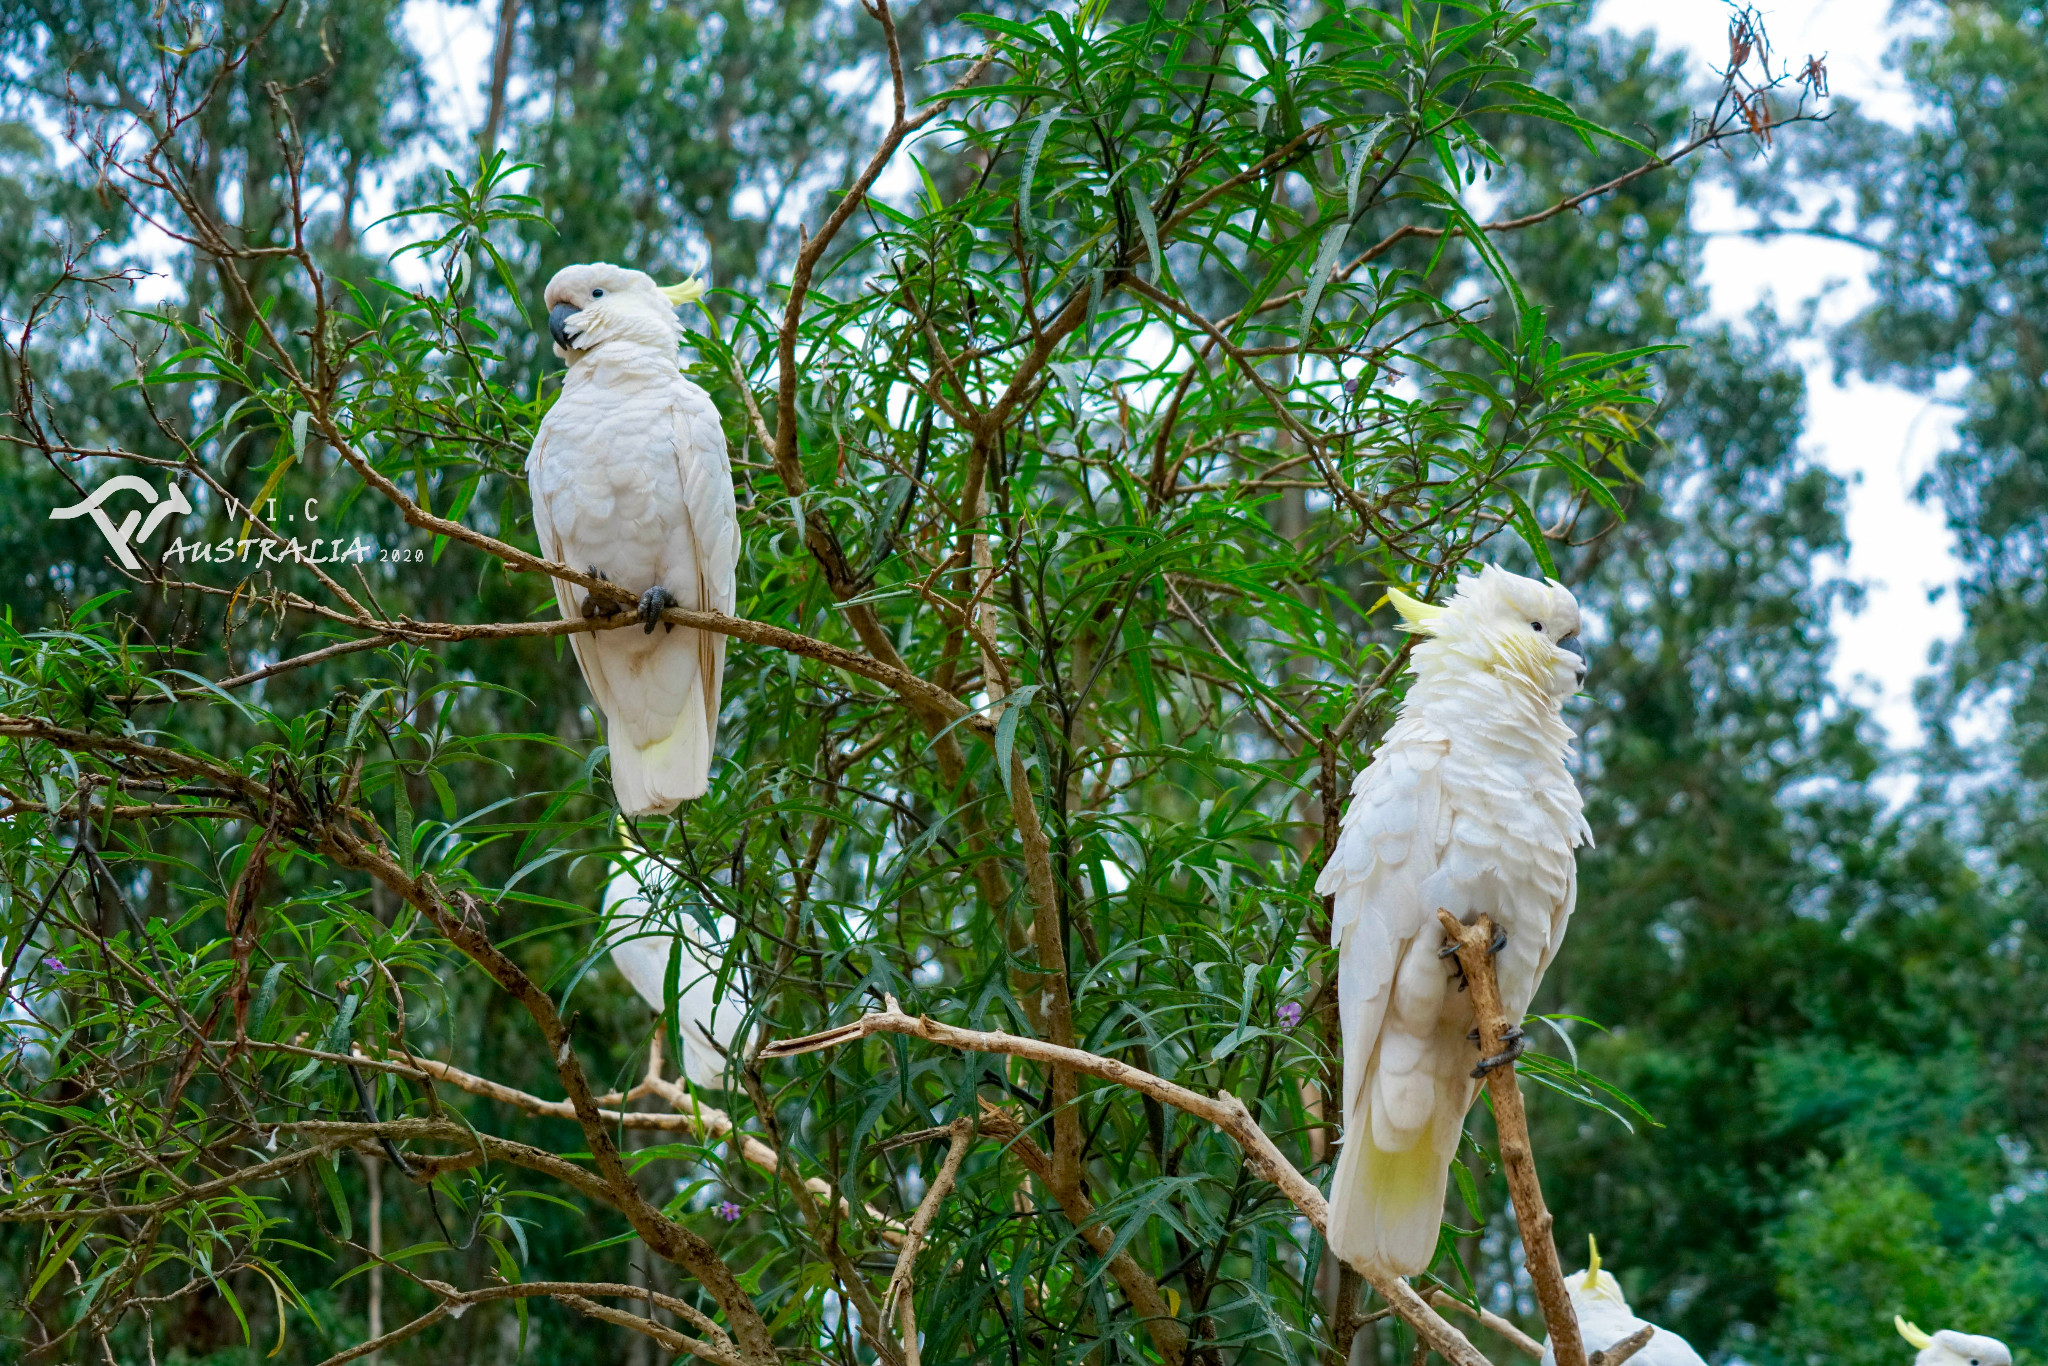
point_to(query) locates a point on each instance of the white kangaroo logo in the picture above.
(125, 535)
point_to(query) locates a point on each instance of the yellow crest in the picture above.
(1416, 615)
(1910, 1333)
(1592, 1262)
(685, 292)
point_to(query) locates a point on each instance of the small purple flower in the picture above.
(1289, 1014)
(728, 1211)
(54, 965)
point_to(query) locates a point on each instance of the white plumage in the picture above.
(1605, 1319)
(1467, 807)
(1950, 1348)
(641, 940)
(629, 478)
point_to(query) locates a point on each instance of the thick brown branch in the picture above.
(1475, 955)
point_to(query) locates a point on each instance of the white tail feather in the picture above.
(650, 779)
(1385, 1208)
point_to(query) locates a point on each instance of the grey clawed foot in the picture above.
(591, 606)
(1515, 1044)
(1450, 951)
(653, 603)
(1500, 941)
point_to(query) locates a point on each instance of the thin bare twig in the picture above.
(897, 1298)
(1517, 1339)
(1626, 1348)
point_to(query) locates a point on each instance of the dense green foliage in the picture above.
(1014, 461)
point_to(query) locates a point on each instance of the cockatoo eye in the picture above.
(1535, 625)
(597, 294)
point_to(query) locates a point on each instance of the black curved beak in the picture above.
(558, 324)
(1573, 647)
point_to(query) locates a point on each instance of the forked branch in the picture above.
(1225, 1111)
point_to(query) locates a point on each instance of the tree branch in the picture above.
(898, 1297)
(1225, 1112)
(1475, 955)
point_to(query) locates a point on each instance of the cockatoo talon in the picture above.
(1517, 1045)
(1457, 970)
(1500, 941)
(653, 603)
(592, 606)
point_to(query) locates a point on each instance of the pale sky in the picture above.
(1878, 437)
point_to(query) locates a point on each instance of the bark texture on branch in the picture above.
(1496, 1034)
(1225, 1111)
(1626, 1348)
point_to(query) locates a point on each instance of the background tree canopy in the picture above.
(1074, 461)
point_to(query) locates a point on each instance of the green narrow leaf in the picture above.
(1319, 275)
(1006, 729)
(1032, 152)
(58, 1258)
(266, 997)
(338, 1035)
(1468, 1191)
(332, 1181)
(1531, 531)
(1148, 226)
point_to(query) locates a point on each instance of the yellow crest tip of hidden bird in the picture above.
(685, 292)
(1911, 1333)
(1592, 1262)
(1414, 612)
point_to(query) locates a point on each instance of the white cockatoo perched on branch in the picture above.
(629, 479)
(1950, 1348)
(1466, 807)
(641, 941)
(1605, 1319)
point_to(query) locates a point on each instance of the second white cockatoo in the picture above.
(630, 481)
(1466, 807)
(1605, 1319)
(642, 936)
(1950, 1348)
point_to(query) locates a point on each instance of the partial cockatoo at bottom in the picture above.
(1605, 1319)
(1466, 807)
(641, 939)
(1950, 1348)
(630, 481)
